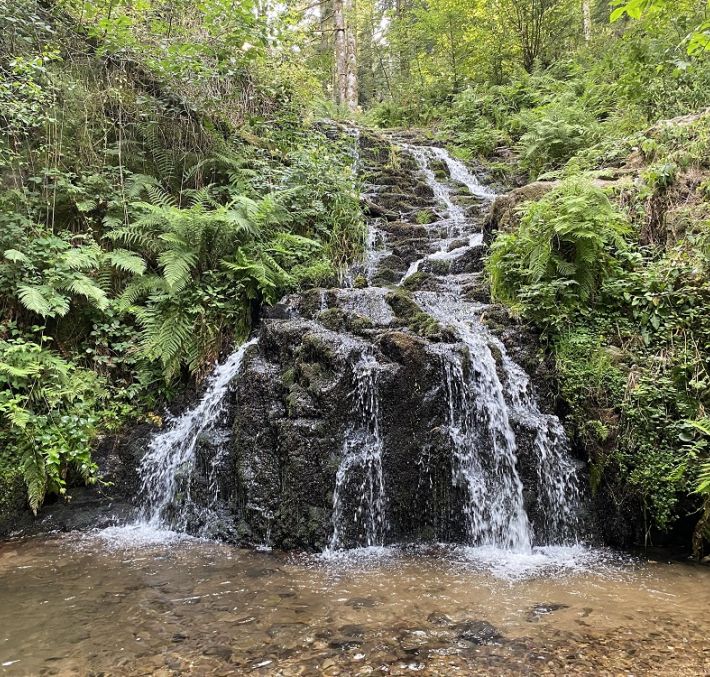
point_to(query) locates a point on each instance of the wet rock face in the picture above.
(295, 402)
(343, 432)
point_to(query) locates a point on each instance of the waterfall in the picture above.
(455, 218)
(359, 478)
(487, 396)
(460, 173)
(442, 193)
(167, 466)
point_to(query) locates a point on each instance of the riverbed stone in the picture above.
(477, 632)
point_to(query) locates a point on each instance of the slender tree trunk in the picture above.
(587, 18)
(351, 88)
(454, 64)
(341, 52)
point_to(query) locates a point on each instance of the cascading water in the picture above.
(455, 214)
(359, 477)
(460, 173)
(454, 220)
(471, 451)
(166, 468)
(483, 407)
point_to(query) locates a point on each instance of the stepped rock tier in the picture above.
(391, 409)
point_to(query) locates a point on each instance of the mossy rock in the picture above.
(412, 316)
(317, 348)
(439, 267)
(13, 499)
(417, 281)
(385, 277)
(360, 282)
(358, 323)
(332, 318)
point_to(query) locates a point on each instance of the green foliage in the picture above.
(699, 39)
(554, 134)
(630, 342)
(592, 384)
(51, 272)
(565, 248)
(159, 181)
(47, 409)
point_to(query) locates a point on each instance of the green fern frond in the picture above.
(87, 257)
(177, 266)
(82, 285)
(35, 476)
(34, 299)
(127, 261)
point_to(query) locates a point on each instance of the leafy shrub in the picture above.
(48, 414)
(592, 384)
(564, 249)
(554, 134)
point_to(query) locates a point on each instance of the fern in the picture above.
(139, 288)
(127, 261)
(35, 475)
(83, 286)
(35, 299)
(82, 258)
(177, 266)
(566, 240)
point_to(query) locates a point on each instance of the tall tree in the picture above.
(351, 91)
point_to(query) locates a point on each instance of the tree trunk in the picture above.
(587, 18)
(341, 52)
(351, 91)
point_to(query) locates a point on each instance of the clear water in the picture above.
(85, 604)
(452, 216)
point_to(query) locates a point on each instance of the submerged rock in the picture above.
(477, 632)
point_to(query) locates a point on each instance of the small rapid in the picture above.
(453, 216)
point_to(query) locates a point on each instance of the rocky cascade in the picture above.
(385, 410)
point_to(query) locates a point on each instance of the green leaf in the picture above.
(127, 261)
(15, 256)
(34, 300)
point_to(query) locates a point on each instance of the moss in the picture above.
(332, 318)
(13, 498)
(385, 276)
(358, 323)
(439, 266)
(417, 280)
(413, 317)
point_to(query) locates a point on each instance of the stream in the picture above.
(98, 605)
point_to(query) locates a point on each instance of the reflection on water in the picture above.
(126, 603)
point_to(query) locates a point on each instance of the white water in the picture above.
(486, 397)
(360, 471)
(460, 173)
(454, 217)
(167, 465)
